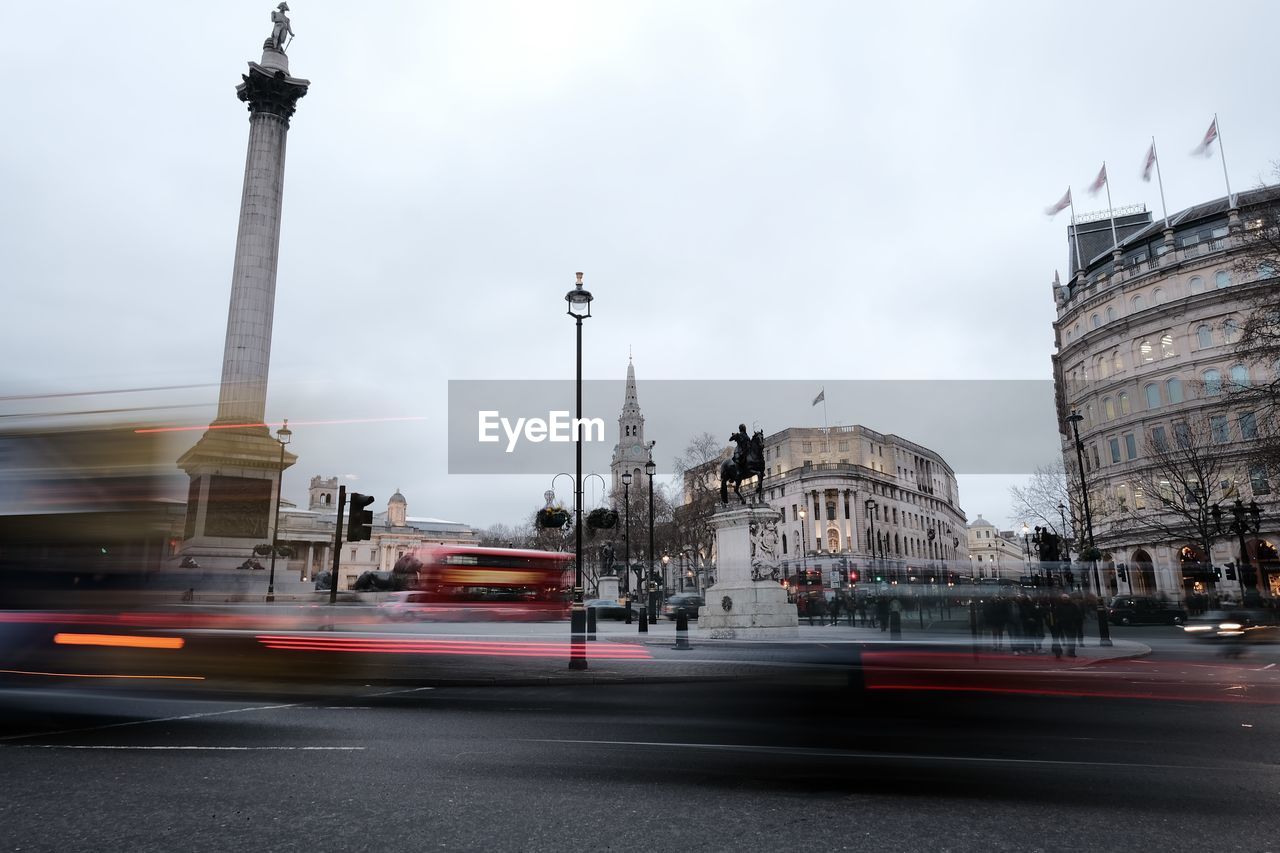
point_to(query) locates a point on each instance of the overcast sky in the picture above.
(860, 185)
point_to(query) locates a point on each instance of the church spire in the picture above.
(631, 452)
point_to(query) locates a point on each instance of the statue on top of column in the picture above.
(280, 27)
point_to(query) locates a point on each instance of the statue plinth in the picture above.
(739, 607)
(607, 587)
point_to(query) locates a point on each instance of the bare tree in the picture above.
(1049, 487)
(507, 536)
(700, 493)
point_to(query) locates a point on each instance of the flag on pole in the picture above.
(1100, 181)
(1063, 204)
(1204, 149)
(1150, 164)
(822, 395)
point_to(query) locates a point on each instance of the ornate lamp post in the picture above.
(649, 469)
(283, 435)
(1104, 635)
(1244, 520)
(804, 550)
(666, 584)
(870, 506)
(626, 538)
(1026, 545)
(579, 300)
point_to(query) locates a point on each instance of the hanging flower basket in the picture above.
(553, 518)
(1088, 555)
(602, 519)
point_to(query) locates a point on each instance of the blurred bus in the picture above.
(470, 583)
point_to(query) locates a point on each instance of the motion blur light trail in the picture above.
(120, 640)
(445, 647)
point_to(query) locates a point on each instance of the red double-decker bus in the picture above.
(469, 583)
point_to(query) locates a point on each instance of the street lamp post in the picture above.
(649, 469)
(666, 584)
(804, 550)
(1064, 550)
(1026, 546)
(1244, 520)
(870, 506)
(1104, 635)
(283, 435)
(579, 300)
(626, 538)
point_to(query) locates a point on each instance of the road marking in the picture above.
(200, 748)
(892, 756)
(153, 720)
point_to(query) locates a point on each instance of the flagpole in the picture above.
(826, 433)
(1111, 211)
(1075, 233)
(1160, 181)
(1230, 201)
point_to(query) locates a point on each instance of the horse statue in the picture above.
(747, 461)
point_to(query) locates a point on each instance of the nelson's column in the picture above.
(236, 465)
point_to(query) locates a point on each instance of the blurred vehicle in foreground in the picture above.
(687, 601)
(609, 608)
(470, 583)
(1144, 610)
(1238, 626)
(405, 607)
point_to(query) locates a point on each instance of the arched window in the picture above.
(1222, 278)
(1088, 415)
(1212, 383)
(1173, 388)
(1204, 336)
(1100, 367)
(1240, 376)
(1266, 270)
(1111, 313)
(1196, 284)
(1124, 403)
(784, 543)
(1231, 330)
(1068, 334)
(1095, 321)
(1146, 352)
(1117, 364)
(1109, 409)
(1136, 304)
(1158, 296)
(1166, 346)
(1152, 391)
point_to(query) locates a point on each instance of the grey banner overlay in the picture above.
(977, 426)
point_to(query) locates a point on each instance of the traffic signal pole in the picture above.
(337, 545)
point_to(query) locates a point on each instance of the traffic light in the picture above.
(1231, 571)
(359, 519)
(1123, 572)
(853, 576)
(1217, 572)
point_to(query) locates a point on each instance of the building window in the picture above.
(1231, 331)
(1114, 444)
(1222, 278)
(1130, 446)
(1182, 434)
(1240, 376)
(1122, 496)
(1088, 415)
(806, 446)
(1136, 303)
(1111, 313)
(1248, 426)
(1204, 337)
(1124, 403)
(1117, 365)
(1166, 346)
(1158, 295)
(1173, 388)
(1109, 409)
(1097, 461)
(1152, 390)
(1197, 284)
(1218, 429)
(1146, 352)
(784, 543)
(1100, 367)
(1212, 383)
(1095, 321)
(1158, 440)
(1258, 480)
(1139, 498)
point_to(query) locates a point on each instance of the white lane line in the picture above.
(191, 748)
(396, 692)
(145, 722)
(892, 756)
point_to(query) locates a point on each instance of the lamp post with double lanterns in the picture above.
(870, 506)
(283, 435)
(1026, 546)
(650, 469)
(1104, 634)
(804, 549)
(579, 300)
(666, 565)
(1244, 519)
(626, 538)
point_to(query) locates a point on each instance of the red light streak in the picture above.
(448, 647)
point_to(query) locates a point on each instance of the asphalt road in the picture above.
(788, 763)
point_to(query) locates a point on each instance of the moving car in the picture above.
(404, 606)
(608, 608)
(1144, 610)
(686, 600)
(1239, 626)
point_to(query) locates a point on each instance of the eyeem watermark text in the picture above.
(557, 427)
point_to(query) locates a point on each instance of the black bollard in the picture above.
(644, 619)
(1104, 627)
(591, 623)
(682, 630)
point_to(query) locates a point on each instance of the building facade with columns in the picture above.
(310, 533)
(851, 498)
(996, 553)
(1146, 334)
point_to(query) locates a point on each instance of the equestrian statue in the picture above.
(747, 462)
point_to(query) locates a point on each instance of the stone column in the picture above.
(738, 606)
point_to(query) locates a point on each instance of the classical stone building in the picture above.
(1146, 355)
(874, 503)
(995, 553)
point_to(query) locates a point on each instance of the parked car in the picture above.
(609, 608)
(1233, 626)
(687, 601)
(1144, 610)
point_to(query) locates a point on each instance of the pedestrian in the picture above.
(1070, 622)
(862, 610)
(836, 606)
(882, 612)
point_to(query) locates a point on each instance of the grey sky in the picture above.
(867, 181)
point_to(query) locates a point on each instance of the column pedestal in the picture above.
(739, 607)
